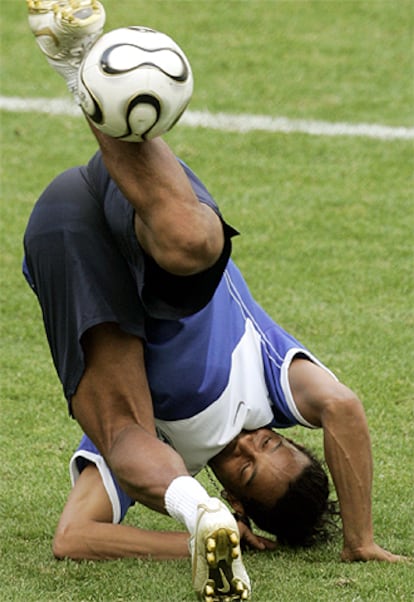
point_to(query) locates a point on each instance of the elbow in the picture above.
(66, 544)
(344, 406)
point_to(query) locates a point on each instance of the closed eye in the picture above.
(254, 471)
(244, 469)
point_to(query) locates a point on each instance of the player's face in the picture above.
(258, 464)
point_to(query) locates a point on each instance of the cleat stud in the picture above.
(211, 558)
(234, 540)
(235, 552)
(209, 590)
(211, 544)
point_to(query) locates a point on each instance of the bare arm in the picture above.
(325, 402)
(85, 529)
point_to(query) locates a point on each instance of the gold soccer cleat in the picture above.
(65, 30)
(218, 571)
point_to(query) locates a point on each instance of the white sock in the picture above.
(182, 498)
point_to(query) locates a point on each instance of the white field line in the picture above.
(228, 122)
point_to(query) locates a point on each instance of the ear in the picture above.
(233, 501)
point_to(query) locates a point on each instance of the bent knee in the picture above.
(189, 255)
(183, 248)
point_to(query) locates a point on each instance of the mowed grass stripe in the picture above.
(228, 122)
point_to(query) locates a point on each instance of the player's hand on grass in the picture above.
(252, 541)
(370, 552)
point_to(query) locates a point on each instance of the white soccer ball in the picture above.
(135, 83)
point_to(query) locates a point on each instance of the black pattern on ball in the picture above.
(107, 68)
(144, 99)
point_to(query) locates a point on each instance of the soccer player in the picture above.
(166, 360)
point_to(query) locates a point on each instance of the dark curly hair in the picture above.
(304, 516)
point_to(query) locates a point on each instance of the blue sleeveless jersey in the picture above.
(189, 361)
(212, 375)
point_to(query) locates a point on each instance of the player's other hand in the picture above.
(250, 540)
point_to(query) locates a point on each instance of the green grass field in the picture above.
(326, 246)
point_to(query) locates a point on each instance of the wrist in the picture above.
(242, 518)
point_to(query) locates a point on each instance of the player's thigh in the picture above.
(113, 392)
(78, 272)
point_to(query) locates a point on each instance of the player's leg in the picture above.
(183, 235)
(113, 406)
